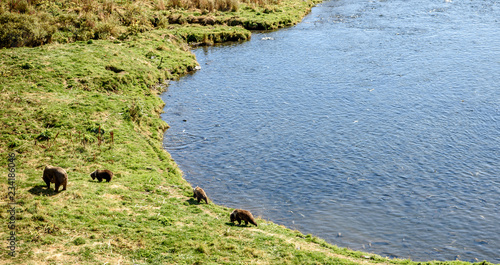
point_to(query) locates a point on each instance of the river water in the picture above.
(374, 125)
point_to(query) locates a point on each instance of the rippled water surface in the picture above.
(378, 120)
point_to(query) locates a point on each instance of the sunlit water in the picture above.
(372, 124)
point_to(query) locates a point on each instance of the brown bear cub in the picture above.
(239, 215)
(199, 193)
(102, 174)
(55, 175)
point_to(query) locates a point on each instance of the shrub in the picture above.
(17, 30)
(105, 30)
(21, 6)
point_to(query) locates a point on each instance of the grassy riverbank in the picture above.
(87, 99)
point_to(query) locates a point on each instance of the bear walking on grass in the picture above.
(239, 215)
(199, 193)
(102, 174)
(55, 175)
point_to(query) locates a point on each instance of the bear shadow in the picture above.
(42, 190)
(192, 201)
(96, 181)
(235, 224)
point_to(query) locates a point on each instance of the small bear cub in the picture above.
(102, 174)
(199, 193)
(239, 215)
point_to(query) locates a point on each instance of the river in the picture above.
(374, 125)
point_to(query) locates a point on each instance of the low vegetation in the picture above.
(36, 22)
(80, 91)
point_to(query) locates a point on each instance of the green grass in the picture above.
(59, 105)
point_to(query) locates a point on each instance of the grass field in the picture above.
(88, 99)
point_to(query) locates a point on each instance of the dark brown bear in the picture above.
(199, 193)
(102, 174)
(55, 175)
(239, 215)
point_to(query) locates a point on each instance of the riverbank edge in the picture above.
(59, 108)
